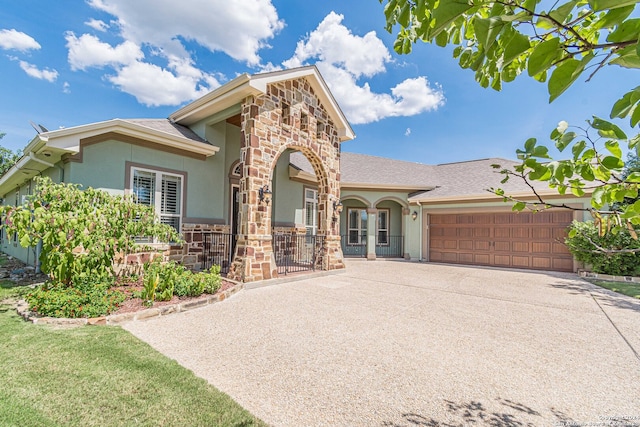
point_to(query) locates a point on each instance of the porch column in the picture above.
(372, 217)
(406, 212)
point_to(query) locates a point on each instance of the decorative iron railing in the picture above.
(297, 252)
(389, 246)
(354, 245)
(386, 246)
(217, 249)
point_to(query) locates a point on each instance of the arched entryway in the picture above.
(288, 117)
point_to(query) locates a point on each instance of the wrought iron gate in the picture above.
(295, 253)
(218, 250)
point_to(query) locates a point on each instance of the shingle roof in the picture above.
(167, 126)
(449, 180)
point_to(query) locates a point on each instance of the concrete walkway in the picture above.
(406, 344)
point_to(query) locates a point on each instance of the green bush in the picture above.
(83, 299)
(582, 237)
(162, 281)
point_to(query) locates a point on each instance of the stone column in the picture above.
(406, 212)
(372, 217)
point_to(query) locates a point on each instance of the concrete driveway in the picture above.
(407, 344)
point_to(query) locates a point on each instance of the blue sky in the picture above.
(66, 63)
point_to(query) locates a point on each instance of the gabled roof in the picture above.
(467, 180)
(233, 92)
(47, 148)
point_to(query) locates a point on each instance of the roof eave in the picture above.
(60, 138)
(493, 197)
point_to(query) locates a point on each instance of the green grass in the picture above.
(630, 289)
(99, 376)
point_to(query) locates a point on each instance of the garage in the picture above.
(501, 239)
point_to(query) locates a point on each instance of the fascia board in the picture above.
(69, 139)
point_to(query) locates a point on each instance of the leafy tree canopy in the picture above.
(554, 43)
(7, 158)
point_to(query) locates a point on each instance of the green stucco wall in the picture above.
(104, 164)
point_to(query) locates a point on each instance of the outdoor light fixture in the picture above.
(414, 215)
(265, 194)
(337, 206)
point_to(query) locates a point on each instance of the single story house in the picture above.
(253, 176)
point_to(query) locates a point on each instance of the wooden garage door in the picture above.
(518, 240)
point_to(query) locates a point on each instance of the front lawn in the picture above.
(630, 289)
(99, 376)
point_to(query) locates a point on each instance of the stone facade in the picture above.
(288, 116)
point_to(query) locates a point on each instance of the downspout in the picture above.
(421, 231)
(39, 245)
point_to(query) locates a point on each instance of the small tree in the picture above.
(553, 42)
(81, 231)
(7, 158)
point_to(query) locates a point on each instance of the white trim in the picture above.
(235, 91)
(157, 199)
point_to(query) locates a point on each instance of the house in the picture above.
(253, 176)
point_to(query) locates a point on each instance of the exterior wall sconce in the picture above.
(264, 194)
(337, 210)
(414, 215)
(337, 207)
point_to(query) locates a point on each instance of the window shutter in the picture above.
(144, 187)
(170, 195)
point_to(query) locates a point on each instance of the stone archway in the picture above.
(288, 116)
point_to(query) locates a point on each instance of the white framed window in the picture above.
(164, 191)
(311, 210)
(357, 232)
(383, 227)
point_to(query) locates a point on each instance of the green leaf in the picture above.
(626, 31)
(561, 12)
(597, 197)
(487, 30)
(529, 144)
(628, 57)
(635, 117)
(543, 56)
(625, 105)
(614, 17)
(607, 129)
(518, 44)
(405, 13)
(612, 163)
(563, 76)
(598, 5)
(541, 151)
(445, 13)
(519, 206)
(614, 148)
(633, 177)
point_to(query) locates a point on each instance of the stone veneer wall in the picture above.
(288, 116)
(190, 254)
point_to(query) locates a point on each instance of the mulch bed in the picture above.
(131, 304)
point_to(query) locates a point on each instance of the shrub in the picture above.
(83, 299)
(582, 237)
(162, 281)
(81, 231)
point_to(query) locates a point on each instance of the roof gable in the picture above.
(245, 85)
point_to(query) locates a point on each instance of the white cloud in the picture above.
(97, 24)
(88, 51)
(334, 43)
(35, 72)
(181, 82)
(17, 40)
(238, 28)
(344, 58)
